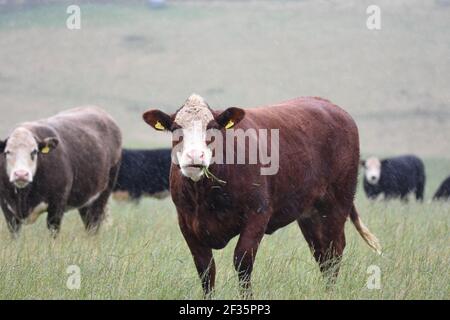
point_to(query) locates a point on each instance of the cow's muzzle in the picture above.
(21, 179)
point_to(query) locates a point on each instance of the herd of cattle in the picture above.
(75, 160)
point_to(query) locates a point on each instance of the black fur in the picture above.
(399, 177)
(144, 172)
(443, 193)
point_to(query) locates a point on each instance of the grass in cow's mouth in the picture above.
(211, 176)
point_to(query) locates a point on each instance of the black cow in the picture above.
(443, 193)
(394, 177)
(143, 172)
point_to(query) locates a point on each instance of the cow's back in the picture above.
(89, 127)
(403, 170)
(318, 141)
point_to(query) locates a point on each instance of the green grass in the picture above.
(142, 255)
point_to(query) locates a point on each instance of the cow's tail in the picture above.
(365, 233)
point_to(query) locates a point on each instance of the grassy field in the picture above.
(127, 58)
(142, 255)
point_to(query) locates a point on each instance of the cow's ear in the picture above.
(2, 145)
(230, 117)
(362, 163)
(47, 145)
(158, 120)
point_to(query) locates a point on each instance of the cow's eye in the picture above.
(212, 125)
(175, 126)
(177, 140)
(210, 140)
(33, 154)
(7, 153)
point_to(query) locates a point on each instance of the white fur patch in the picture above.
(21, 143)
(36, 212)
(91, 200)
(194, 109)
(372, 169)
(193, 118)
(10, 208)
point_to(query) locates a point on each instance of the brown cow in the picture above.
(315, 183)
(64, 162)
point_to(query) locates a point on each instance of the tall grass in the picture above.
(142, 255)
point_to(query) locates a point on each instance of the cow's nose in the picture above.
(196, 155)
(21, 175)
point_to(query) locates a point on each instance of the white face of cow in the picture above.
(372, 170)
(193, 120)
(21, 151)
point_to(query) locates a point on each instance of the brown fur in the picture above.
(315, 186)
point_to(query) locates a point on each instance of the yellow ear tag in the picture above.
(230, 124)
(159, 126)
(45, 149)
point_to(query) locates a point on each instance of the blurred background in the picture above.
(129, 56)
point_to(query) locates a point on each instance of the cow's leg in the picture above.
(324, 233)
(84, 214)
(404, 198)
(420, 190)
(203, 260)
(135, 195)
(206, 268)
(55, 214)
(94, 214)
(247, 247)
(12, 222)
(372, 196)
